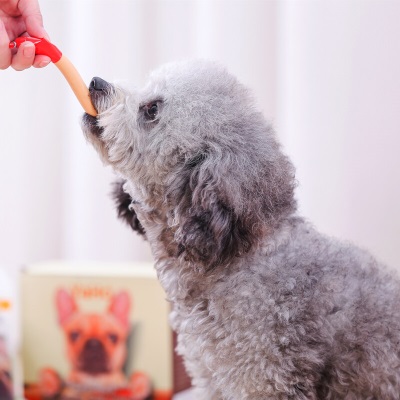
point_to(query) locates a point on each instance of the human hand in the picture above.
(20, 18)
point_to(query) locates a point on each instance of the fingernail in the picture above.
(43, 64)
(28, 50)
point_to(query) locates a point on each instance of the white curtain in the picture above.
(325, 72)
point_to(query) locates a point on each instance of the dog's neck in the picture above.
(175, 273)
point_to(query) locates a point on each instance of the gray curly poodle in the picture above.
(265, 307)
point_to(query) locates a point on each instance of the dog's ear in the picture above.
(66, 305)
(125, 212)
(120, 306)
(223, 206)
(210, 231)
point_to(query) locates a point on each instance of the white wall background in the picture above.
(327, 73)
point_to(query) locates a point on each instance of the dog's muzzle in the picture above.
(98, 84)
(99, 90)
(93, 359)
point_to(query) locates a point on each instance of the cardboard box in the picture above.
(97, 331)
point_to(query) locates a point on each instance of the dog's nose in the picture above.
(93, 344)
(98, 84)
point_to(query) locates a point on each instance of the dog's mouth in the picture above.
(100, 92)
(91, 123)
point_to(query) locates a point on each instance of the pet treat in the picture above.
(44, 47)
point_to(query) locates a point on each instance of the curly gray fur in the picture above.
(265, 306)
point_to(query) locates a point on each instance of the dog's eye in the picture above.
(151, 111)
(74, 336)
(113, 338)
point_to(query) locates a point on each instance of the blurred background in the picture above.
(326, 73)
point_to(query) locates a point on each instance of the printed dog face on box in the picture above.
(95, 343)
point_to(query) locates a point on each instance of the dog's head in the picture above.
(96, 343)
(194, 147)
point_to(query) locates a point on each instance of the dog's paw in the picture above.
(50, 383)
(140, 385)
(123, 201)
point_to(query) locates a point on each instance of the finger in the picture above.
(24, 57)
(5, 53)
(41, 61)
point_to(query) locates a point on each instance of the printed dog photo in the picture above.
(265, 306)
(96, 349)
